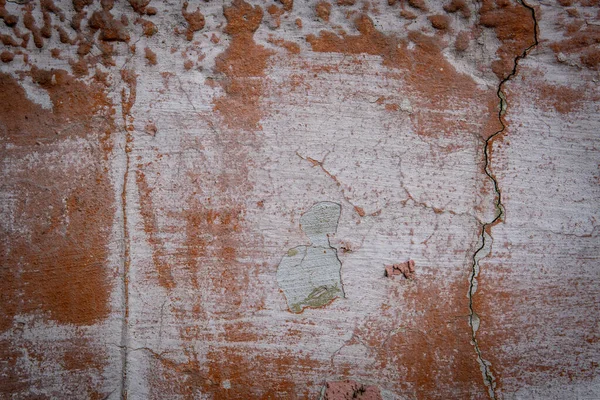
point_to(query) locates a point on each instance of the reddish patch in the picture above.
(291, 47)
(462, 41)
(439, 86)
(241, 368)
(55, 263)
(418, 4)
(276, 13)
(406, 269)
(7, 56)
(407, 14)
(288, 5)
(458, 6)
(243, 65)
(347, 390)
(359, 210)
(81, 356)
(440, 22)
(110, 29)
(431, 349)
(152, 230)
(562, 99)
(139, 6)
(149, 27)
(214, 235)
(583, 38)
(514, 28)
(323, 10)
(150, 56)
(558, 322)
(195, 21)
(9, 19)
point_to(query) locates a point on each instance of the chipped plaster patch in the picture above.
(310, 275)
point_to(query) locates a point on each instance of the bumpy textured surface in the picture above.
(161, 162)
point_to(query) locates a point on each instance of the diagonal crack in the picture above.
(486, 238)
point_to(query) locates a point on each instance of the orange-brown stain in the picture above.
(439, 87)
(458, 6)
(251, 373)
(150, 56)
(440, 22)
(194, 19)
(152, 230)
(557, 322)
(55, 265)
(562, 99)
(432, 351)
(581, 38)
(243, 65)
(323, 10)
(514, 28)
(291, 47)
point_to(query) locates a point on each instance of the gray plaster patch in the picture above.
(310, 275)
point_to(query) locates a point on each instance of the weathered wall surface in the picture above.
(278, 199)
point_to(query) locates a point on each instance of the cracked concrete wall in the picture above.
(162, 159)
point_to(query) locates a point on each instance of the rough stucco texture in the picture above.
(334, 199)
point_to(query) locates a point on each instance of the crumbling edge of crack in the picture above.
(485, 238)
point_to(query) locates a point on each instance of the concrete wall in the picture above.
(288, 200)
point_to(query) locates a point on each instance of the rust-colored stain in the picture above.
(222, 333)
(243, 65)
(458, 6)
(440, 22)
(150, 56)
(56, 261)
(80, 356)
(432, 351)
(582, 36)
(55, 265)
(194, 19)
(151, 228)
(213, 234)
(323, 10)
(406, 269)
(501, 308)
(348, 389)
(440, 88)
(562, 99)
(111, 29)
(232, 373)
(514, 28)
(462, 41)
(291, 47)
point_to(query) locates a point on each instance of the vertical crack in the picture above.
(127, 101)
(126, 264)
(486, 239)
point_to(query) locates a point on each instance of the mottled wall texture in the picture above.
(310, 199)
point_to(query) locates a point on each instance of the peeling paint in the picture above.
(310, 275)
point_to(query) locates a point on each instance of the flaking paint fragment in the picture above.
(310, 275)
